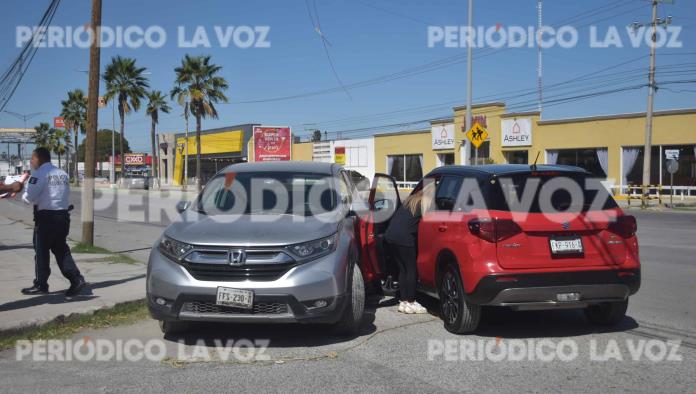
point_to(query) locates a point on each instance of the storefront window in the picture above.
(445, 159)
(517, 157)
(405, 168)
(484, 152)
(635, 176)
(686, 174)
(588, 159)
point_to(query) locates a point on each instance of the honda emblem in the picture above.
(236, 257)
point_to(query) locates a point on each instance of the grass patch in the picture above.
(122, 259)
(83, 248)
(121, 314)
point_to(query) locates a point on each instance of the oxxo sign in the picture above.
(516, 132)
(443, 136)
(134, 159)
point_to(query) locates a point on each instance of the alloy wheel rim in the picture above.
(450, 304)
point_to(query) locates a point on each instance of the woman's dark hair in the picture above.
(43, 154)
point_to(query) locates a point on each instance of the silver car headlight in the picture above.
(174, 249)
(311, 250)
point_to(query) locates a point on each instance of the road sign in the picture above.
(672, 154)
(672, 166)
(477, 135)
(58, 122)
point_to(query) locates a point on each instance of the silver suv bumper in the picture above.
(174, 294)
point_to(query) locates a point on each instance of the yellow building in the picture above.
(609, 146)
(219, 148)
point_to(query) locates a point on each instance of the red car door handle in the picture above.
(442, 228)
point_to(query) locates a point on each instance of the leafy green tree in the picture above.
(126, 83)
(197, 80)
(157, 103)
(103, 146)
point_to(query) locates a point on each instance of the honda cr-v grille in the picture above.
(258, 265)
(260, 308)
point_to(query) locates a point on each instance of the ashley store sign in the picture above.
(516, 132)
(443, 136)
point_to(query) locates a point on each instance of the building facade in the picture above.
(609, 146)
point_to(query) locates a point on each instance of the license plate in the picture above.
(566, 245)
(239, 298)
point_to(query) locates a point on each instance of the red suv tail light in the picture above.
(625, 226)
(493, 230)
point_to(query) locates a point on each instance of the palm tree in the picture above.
(197, 80)
(42, 137)
(157, 102)
(75, 114)
(127, 84)
(59, 143)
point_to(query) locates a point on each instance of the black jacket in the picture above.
(403, 227)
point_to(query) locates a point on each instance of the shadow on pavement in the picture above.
(505, 323)
(16, 247)
(280, 335)
(58, 297)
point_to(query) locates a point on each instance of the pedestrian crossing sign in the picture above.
(477, 134)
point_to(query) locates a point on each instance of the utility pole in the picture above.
(652, 87)
(92, 121)
(469, 78)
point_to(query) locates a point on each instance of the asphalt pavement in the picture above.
(652, 350)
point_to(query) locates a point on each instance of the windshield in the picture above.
(268, 193)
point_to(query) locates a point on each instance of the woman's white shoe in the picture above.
(405, 307)
(417, 308)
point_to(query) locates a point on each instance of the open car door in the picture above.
(383, 201)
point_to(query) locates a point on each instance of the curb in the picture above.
(85, 311)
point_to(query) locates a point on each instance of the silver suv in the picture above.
(265, 243)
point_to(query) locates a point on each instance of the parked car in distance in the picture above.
(136, 182)
(501, 253)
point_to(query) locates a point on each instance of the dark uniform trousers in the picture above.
(50, 235)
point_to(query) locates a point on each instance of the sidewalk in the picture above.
(113, 279)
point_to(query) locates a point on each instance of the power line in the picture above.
(420, 69)
(12, 77)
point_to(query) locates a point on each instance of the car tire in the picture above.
(458, 315)
(607, 313)
(352, 316)
(173, 327)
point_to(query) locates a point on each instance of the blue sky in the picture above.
(367, 39)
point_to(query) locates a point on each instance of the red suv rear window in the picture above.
(571, 192)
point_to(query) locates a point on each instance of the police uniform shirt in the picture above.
(48, 188)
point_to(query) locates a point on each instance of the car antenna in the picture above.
(534, 166)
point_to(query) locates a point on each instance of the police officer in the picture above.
(48, 189)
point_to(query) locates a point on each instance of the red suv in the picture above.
(525, 237)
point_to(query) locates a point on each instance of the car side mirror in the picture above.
(182, 206)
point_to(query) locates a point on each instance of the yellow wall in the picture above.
(407, 143)
(302, 151)
(613, 134)
(222, 142)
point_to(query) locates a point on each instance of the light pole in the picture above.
(469, 81)
(24, 118)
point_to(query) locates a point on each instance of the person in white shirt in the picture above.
(48, 189)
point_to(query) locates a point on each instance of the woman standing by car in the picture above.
(402, 237)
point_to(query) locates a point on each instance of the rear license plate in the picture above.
(567, 297)
(239, 298)
(566, 245)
